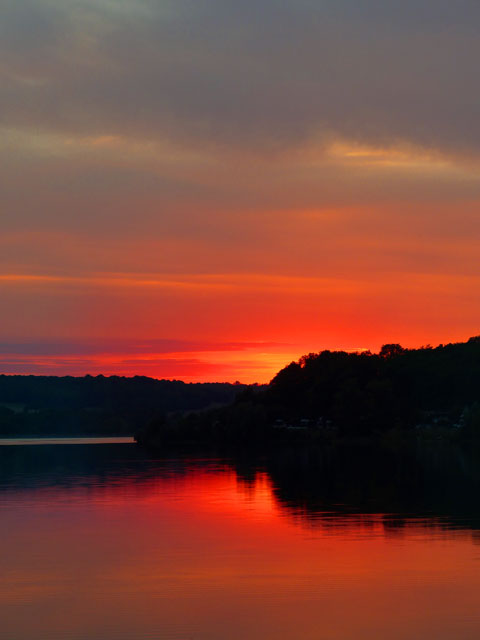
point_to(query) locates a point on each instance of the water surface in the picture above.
(110, 542)
(58, 440)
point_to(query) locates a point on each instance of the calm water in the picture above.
(106, 541)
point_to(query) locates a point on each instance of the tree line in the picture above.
(339, 394)
(98, 405)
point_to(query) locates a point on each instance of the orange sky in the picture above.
(185, 196)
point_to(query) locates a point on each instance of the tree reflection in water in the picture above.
(435, 484)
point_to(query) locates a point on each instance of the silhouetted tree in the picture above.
(390, 350)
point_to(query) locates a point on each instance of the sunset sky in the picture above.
(208, 189)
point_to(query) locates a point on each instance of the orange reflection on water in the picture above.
(206, 553)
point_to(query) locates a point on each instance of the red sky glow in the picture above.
(183, 196)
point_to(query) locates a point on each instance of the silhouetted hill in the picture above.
(334, 394)
(49, 405)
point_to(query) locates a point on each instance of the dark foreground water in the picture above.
(108, 542)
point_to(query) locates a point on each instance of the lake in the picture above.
(106, 541)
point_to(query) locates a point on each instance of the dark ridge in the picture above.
(100, 405)
(429, 392)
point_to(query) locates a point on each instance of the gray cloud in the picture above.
(214, 103)
(251, 74)
(123, 347)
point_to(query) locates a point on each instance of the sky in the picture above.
(206, 190)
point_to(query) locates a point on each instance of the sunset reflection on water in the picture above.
(108, 542)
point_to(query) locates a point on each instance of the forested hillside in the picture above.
(49, 405)
(339, 394)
